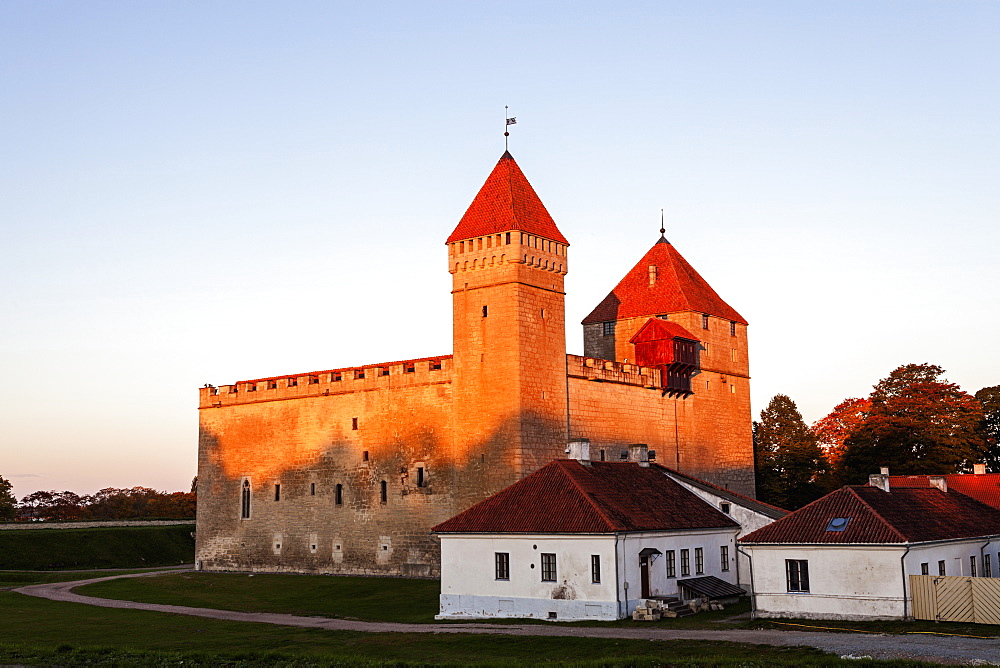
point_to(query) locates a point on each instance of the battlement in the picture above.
(606, 371)
(329, 382)
(508, 247)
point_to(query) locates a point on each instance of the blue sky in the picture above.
(197, 192)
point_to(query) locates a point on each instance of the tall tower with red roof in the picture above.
(507, 259)
(712, 386)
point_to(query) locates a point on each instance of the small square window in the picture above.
(272, 384)
(383, 371)
(608, 328)
(435, 365)
(336, 377)
(409, 367)
(725, 507)
(925, 568)
(292, 382)
(314, 380)
(359, 374)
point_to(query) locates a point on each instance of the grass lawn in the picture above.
(40, 632)
(889, 627)
(99, 547)
(367, 599)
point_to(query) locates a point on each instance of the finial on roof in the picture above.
(663, 230)
(508, 120)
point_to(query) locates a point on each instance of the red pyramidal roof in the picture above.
(678, 287)
(506, 202)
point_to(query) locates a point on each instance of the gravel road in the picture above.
(941, 649)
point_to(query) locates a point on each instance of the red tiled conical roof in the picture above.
(506, 202)
(678, 287)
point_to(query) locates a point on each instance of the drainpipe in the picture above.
(753, 587)
(618, 590)
(982, 556)
(902, 567)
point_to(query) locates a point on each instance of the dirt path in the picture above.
(941, 649)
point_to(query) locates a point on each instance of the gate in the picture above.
(956, 599)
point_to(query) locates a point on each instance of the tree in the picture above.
(989, 428)
(918, 423)
(832, 430)
(786, 456)
(8, 502)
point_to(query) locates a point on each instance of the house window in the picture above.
(941, 568)
(409, 367)
(608, 328)
(724, 557)
(725, 507)
(314, 380)
(507, 238)
(595, 568)
(277, 492)
(838, 524)
(383, 371)
(987, 566)
(925, 568)
(336, 377)
(435, 365)
(245, 501)
(339, 497)
(292, 382)
(685, 562)
(359, 374)
(384, 491)
(354, 424)
(797, 573)
(732, 328)
(364, 456)
(671, 564)
(603, 455)
(699, 561)
(421, 479)
(704, 322)
(502, 561)
(272, 384)
(972, 566)
(312, 489)
(548, 567)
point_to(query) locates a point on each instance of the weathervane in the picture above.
(509, 120)
(663, 229)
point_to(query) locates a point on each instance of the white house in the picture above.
(849, 555)
(580, 539)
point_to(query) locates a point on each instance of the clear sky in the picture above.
(204, 192)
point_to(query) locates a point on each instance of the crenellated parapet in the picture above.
(423, 371)
(507, 247)
(607, 371)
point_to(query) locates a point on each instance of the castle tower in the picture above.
(507, 259)
(713, 411)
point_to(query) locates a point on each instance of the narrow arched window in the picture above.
(340, 494)
(385, 491)
(245, 506)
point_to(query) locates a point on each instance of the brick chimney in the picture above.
(579, 449)
(939, 482)
(639, 453)
(979, 469)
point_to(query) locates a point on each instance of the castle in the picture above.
(345, 470)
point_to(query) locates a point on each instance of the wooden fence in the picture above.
(956, 599)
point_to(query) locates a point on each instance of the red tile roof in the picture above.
(984, 487)
(567, 497)
(678, 287)
(506, 202)
(657, 329)
(904, 515)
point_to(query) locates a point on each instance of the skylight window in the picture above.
(838, 524)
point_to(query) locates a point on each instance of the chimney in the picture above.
(939, 482)
(979, 469)
(639, 453)
(579, 449)
(880, 480)
(884, 470)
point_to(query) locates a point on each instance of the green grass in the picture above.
(11, 579)
(368, 599)
(70, 634)
(104, 547)
(887, 627)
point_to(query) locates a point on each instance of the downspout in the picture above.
(902, 567)
(618, 591)
(753, 587)
(982, 554)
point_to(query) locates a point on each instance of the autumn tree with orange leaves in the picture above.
(917, 423)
